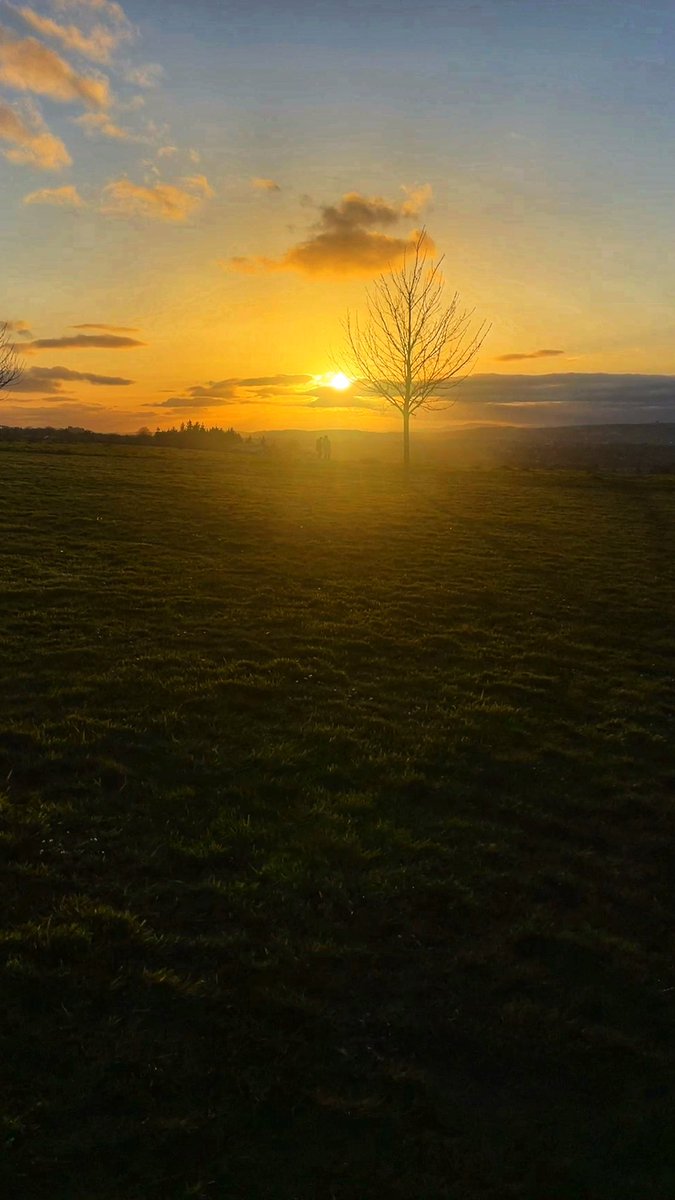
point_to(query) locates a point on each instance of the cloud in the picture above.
(273, 380)
(533, 354)
(566, 398)
(295, 391)
(265, 185)
(83, 341)
(20, 328)
(347, 240)
(107, 8)
(98, 44)
(230, 387)
(216, 391)
(56, 416)
(187, 402)
(149, 75)
(48, 380)
(161, 201)
(29, 66)
(199, 183)
(32, 142)
(544, 400)
(28, 407)
(417, 199)
(63, 197)
(253, 390)
(107, 328)
(167, 151)
(327, 397)
(100, 123)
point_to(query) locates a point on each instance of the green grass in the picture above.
(336, 830)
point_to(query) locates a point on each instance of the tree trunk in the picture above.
(406, 437)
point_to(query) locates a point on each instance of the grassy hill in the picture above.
(336, 830)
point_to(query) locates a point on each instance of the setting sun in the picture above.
(340, 382)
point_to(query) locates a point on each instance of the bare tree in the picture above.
(412, 347)
(10, 367)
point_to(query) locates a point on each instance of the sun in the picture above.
(340, 382)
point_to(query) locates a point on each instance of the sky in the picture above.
(195, 194)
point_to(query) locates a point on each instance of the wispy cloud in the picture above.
(417, 199)
(83, 341)
(265, 185)
(107, 328)
(97, 44)
(62, 412)
(199, 183)
(160, 201)
(100, 124)
(327, 397)
(188, 403)
(20, 328)
(149, 75)
(532, 354)
(106, 8)
(29, 66)
(273, 381)
(63, 197)
(31, 141)
(347, 239)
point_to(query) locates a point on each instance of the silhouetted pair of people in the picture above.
(323, 447)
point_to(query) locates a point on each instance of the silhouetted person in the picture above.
(326, 447)
(319, 447)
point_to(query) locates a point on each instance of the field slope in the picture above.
(336, 822)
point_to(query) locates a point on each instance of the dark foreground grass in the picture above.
(337, 832)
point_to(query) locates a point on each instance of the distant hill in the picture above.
(644, 447)
(586, 447)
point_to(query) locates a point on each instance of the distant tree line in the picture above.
(190, 435)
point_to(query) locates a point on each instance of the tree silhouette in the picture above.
(10, 367)
(412, 343)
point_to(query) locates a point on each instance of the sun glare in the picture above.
(340, 382)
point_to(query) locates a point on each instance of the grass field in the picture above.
(337, 831)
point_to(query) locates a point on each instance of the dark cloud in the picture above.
(289, 390)
(533, 354)
(354, 210)
(536, 400)
(564, 399)
(222, 391)
(83, 341)
(347, 239)
(20, 328)
(48, 380)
